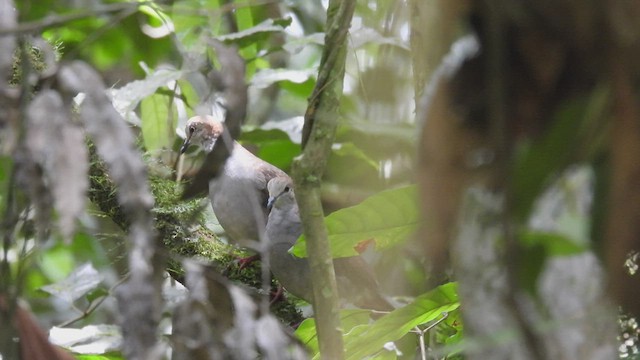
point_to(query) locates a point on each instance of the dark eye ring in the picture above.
(286, 189)
(192, 129)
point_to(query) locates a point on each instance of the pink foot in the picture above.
(278, 295)
(244, 262)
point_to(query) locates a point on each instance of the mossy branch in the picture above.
(180, 226)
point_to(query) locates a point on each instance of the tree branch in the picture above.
(61, 20)
(317, 138)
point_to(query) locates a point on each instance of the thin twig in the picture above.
(61, 20)
(422, 332)
(94, 304)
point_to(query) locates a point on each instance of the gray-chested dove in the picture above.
(239, 194)
(355, 279)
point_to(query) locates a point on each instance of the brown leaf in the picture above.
(34, 344)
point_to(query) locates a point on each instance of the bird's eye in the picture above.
(192, 129)
(286, 189)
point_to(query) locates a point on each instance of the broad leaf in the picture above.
(82, 280)
(351, 150)
(158, 121)
(386, 218)
(349, 165)
(273, 146)
(349, 319)
(393, 326)
(57, 262)
(126, 99)
(190, 96)
(292, 127)
(379, 141)
(92, 339)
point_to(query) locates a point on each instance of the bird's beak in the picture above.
(270, 201)
(185, 145)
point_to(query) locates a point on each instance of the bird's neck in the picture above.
(208, 143)
(288, 222)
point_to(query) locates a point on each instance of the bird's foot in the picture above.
(246, 261)
(277, 296)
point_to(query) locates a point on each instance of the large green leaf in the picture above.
(248, 47)
(350, 165)
(349, 319)
(393, 326)
(57, 262)
(379, 140)
(351, 150)
(127, 98)
(189, 96)
(82, 280)
(158, 121)
(273, 146)
(386, 218)
(298, 90)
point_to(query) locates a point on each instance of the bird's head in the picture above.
(280, 192)
(203, 131)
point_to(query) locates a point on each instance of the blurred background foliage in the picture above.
(152, 55)
(156, 58)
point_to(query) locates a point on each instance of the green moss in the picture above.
(102, 192)
(181, 227)
(36, 58)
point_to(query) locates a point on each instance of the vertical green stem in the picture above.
(318, 135)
